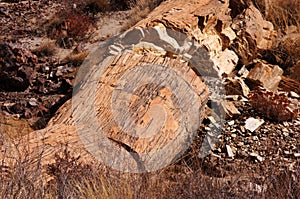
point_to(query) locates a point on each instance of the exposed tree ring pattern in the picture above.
(87, 123)
(167, 40)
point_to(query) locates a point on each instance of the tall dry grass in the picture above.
(139, 10)
(285, 16)
(189, 177)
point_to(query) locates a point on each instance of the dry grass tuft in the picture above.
(47, 48)
(139, 10)
(283, 13)
(285, 16)
(77, 58)
(189, 177)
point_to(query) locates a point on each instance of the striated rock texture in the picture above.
(192, 38)
(267, 75)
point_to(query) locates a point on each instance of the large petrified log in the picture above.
(139, 99)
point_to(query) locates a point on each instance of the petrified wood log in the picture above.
(139, 99)
(141, 114)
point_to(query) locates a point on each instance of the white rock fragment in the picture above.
(257, 156)
(231, 122)
(243, 72)
(297, 155)
(255, 187)
(215, 155)
(255, 138)
(244, 99)
(294, 95)
(212, 119)
(33, 102)
(229, 151)
(285, 134)
(232, 97)
(286, 124)
(253, 124)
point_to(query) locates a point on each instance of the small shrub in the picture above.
(68, 26)
(273, 106)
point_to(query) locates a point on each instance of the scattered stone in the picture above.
(253, 124)
(244, 99)
(16, 64)
(267, 75)
(231, 122)
(230, 109)
(285, 123)
(285, 134)
(232, 97)
(294, 95)
(229, 151)
(33, 102)
(297, 155)
(243, 72)
(255, 187)
(236, 86)
(211, 119)
(243, 129)
(215, 155)
(255, 138)
(257, 156)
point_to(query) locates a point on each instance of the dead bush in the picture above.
(68, 25)
(189, 177)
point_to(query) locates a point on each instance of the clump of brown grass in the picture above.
(189, 177)
(285, 16)
(283, 13)
(47, 48)
(76, 58)
(140, 9)
(72, 22)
